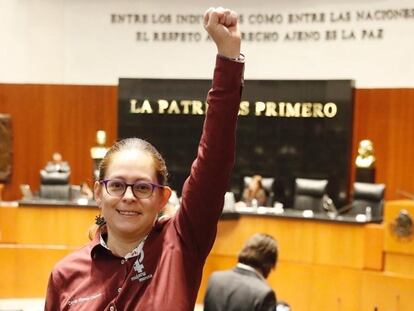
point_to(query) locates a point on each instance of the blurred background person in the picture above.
(57, 164)
(254, 193)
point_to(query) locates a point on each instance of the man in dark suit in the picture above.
(244, 288)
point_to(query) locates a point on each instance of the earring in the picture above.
(99, 220)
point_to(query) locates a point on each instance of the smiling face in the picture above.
(128, 217)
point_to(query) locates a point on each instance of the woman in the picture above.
(254, 194)
(137, 261)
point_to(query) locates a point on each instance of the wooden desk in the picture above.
(33, 239)
(8, 220)
(314, 256)
(307, 241)
(328, 265)
(393, 288)
(322, 265)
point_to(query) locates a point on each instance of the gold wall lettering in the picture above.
(258, 108)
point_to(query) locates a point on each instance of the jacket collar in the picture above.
(245, 269)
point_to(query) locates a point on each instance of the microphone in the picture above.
(345, 208)
(406, 194)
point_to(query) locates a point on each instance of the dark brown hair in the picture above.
(260, 252)
(136, 144)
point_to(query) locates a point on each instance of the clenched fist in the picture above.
(223, 27)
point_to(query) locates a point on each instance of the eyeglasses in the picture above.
(141, 190)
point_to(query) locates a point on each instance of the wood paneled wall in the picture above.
(48, 118)
(65, 118)
(386, 116)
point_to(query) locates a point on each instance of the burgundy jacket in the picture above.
(166, 275)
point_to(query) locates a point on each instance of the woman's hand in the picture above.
(223, 27)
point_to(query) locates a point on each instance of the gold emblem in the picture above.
(402, 226)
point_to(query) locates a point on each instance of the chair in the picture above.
(367, 194)
(267, 183)
(309, 194)
(54, 185)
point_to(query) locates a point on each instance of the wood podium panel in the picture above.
(344, 245)
(33, 240)
(289, 279)
(54, 225)
(387, 292)
(373, 247)
(306, 240)
(8, 221)
(8, 273)
(401, 264)
(322, 265)
(25, 270)
(296, 238)
(334, 288)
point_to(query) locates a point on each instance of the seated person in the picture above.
(244, 288)
(254, 193)
(54, 179)
(57, 164)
